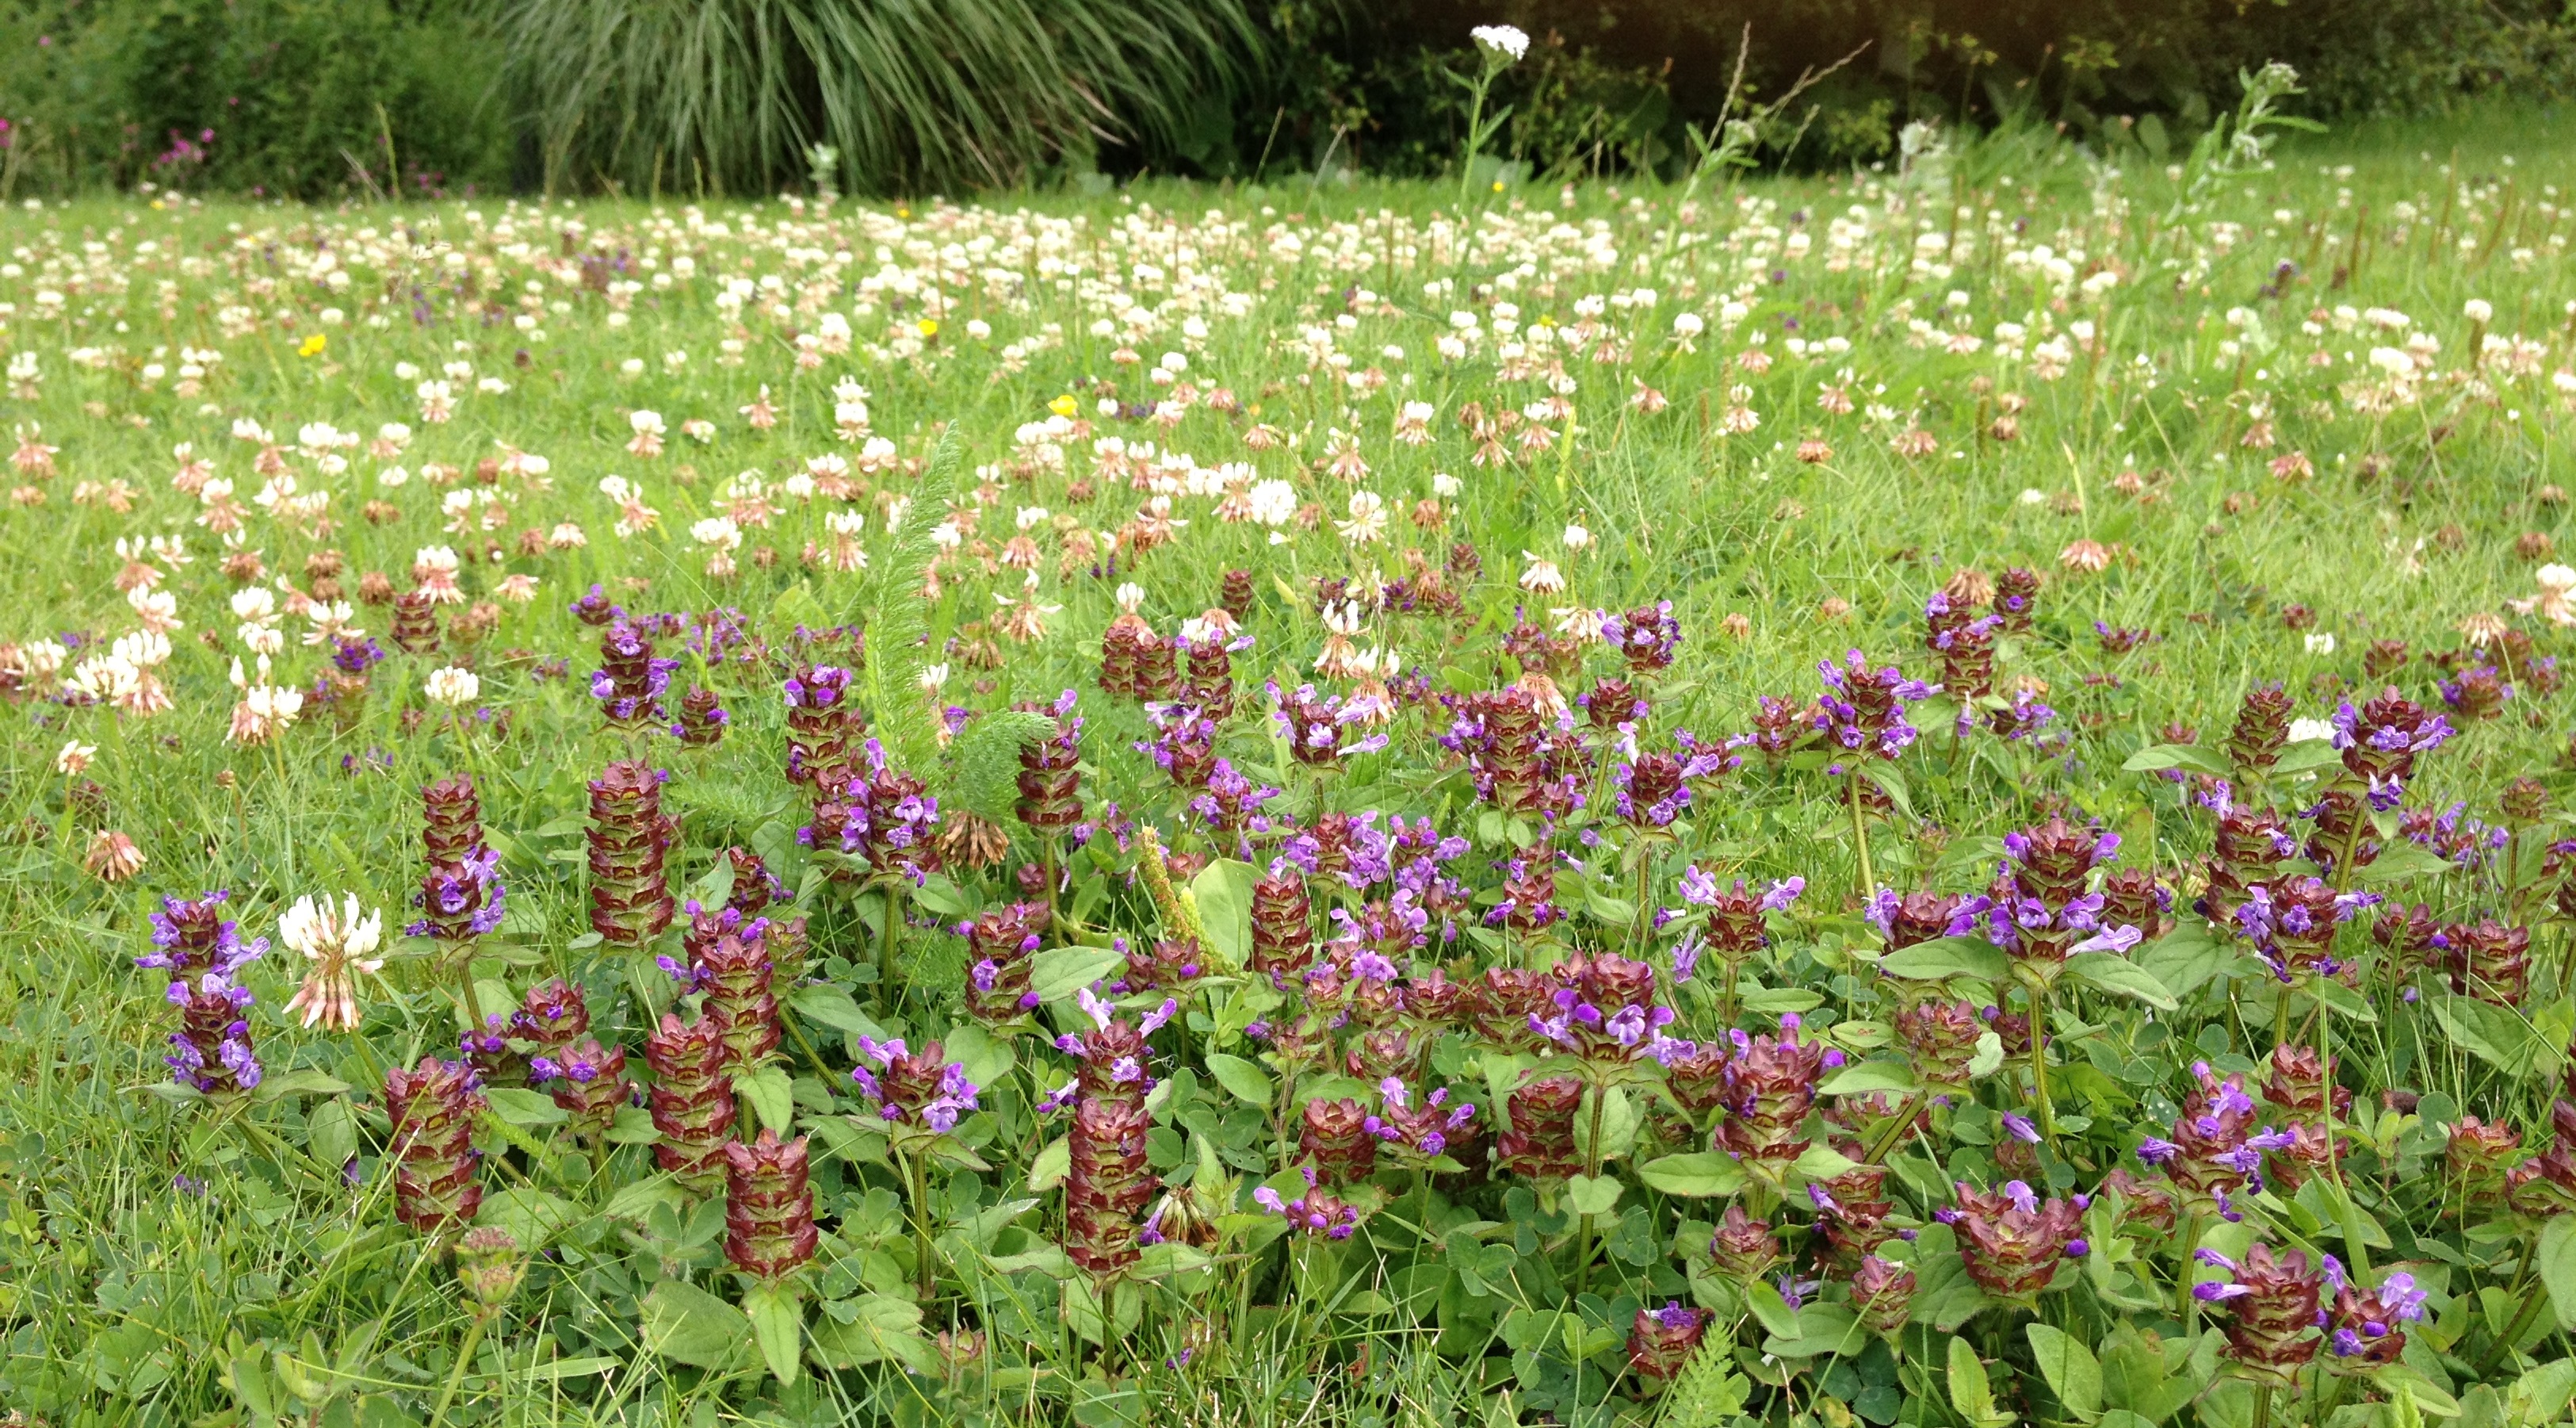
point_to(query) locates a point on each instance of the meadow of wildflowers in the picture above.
(1931, 796)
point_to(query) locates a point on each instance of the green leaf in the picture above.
(1822, 1329)
(2305, 756)
(777, 1324)
(305, 1081)
(1970, 1392)
(1052, 1165)
(522, 1107)
(637, 1199)
(2177, 756)
(2185, 958)
(1223, 891)
(1775, 1000)
(1698, 1175)
(633, 1126)
(2110, 972)
(2496, 1035)
(1989, 1057)
(2556, 1260)
(1242, 1079)
(1862, 1077)
(2540, 1397)
(1948, 957)
(1059, 972)
(2400, 861)
(1592, 1195)
(1771, 1309)
(771, 1095)
(528, 1215)
(2070, 1368)
(687, 1324)
(873, 1328)
(829, 1005)
(331, 1133)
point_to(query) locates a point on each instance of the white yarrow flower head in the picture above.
(452, 686)
(2303, 730)
(2321, 642)
(1502, 44)
(336, 940)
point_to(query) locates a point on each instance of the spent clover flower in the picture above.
(336, 941)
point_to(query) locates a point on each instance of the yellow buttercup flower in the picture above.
(929, 327)
(1064, 406)
(313, 346)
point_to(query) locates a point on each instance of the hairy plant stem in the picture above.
(918, 1173)
(1895, 1131)
(456, 1375)
(1860, 837)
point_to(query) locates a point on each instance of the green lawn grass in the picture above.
(2199, 449)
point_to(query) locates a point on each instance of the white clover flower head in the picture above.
(452, 686)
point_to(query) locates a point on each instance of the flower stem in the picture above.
(456, 1375)
(886, 934)
(919, 1174)
(2039, 1062)
(1860, 837)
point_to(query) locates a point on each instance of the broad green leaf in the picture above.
(2156, 757)
(1058, 972)
(331, 1133)
(1592, 1195)
(832, 1006)
(1944, 957)
(2556, 1260)
(1244, 1080)
(2185, 958)
(1970, 1392)
(2539, 1398)
(2496, 1035)
(304, 1081)
(1223, 891)
(522, 1107)
(777, 1325)
(528, 1215)
(1775, 1000)
(1772, 1310)
(2070, 1368)
(687, 1324)
(873, 1328)
(637, 1199)
(1052, 1164)
(2400, 861)
(2119, 975)
(1862, 1077)
(1701, 1174)
(771, 1095)
(1990, 1054)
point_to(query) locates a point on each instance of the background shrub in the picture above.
(726, 96)
(265, 96)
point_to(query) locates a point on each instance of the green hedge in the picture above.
(1611, 84)
(257, 96)
(299, 96)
